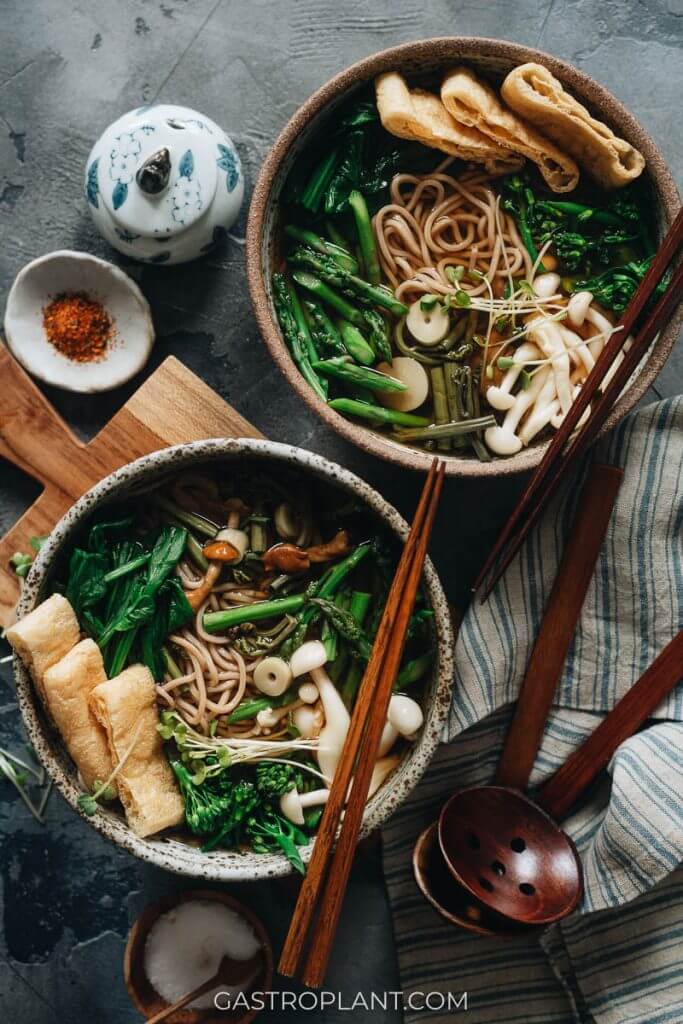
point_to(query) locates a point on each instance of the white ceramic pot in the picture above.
(164, 183)
(175, 851)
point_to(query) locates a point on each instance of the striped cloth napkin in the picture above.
(619, 958)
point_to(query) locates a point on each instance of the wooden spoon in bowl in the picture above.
(230, 973)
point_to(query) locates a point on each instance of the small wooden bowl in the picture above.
(453, 902)
(147, 1000)
(494, 58)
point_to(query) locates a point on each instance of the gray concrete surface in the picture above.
(68, 68)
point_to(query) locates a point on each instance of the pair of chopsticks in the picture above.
(326, 879)
(560, 457)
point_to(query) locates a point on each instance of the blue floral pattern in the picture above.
(227, 161)
(123, 161)
(92, 189)
(186, 195)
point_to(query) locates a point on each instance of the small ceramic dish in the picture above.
(148, 1001)
(493, 58)
(176, 850)
(69, 272)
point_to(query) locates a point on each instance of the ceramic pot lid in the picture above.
(157, 173)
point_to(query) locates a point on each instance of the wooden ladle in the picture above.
(542, 675)
(507, 850)
(230, 973)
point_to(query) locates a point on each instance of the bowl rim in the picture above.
(464, 48)
(139, 307)
(166, 851)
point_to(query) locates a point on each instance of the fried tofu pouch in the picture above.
(44, 636)
(67, 686)
(533, 92)
(420, 116)
(473, 103)
(126, 709)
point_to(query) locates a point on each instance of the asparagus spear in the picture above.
(377, 413)
(351, 285)
(413, 670)
(355, 344)
(365, 236)
(367, 378)
(323, 292)
(324, 331)
(283, 305)
(336, 235)
(302, 327)
(321, 245)
(379, 334)
(360, 602)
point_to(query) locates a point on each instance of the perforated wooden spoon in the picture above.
(459, 843)
(507, 850)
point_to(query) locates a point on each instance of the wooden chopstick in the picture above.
(342, 858)
(660, 315)
(317, 869)
(667, 250)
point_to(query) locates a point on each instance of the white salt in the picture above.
(186, 945)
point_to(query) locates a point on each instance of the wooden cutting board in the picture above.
(172, 406)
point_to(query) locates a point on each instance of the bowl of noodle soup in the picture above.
(433, 222)
(218, 678)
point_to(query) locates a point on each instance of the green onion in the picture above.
(434, 433)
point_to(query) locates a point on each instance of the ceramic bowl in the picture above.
(61, 272)
(171, 850)
(143, 995)
(494, 58)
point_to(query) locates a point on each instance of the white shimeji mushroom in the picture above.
(501, 397)
(382, 769)
(546, 334)
(577, 307)
(545, 285)
(579, 351)
(293, 803)
(310, 658)
(308, 720)
(503, 439)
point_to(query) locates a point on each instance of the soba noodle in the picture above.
(435, 221)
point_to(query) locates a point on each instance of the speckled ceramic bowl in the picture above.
(172, 850)
(494, 58)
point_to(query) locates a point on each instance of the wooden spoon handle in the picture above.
(228, 974)
(167, 1011)
(562, 790)
(558, 626)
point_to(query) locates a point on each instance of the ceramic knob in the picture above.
(164, 184)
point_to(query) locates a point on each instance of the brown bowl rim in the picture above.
(462, 47)
(140, 929)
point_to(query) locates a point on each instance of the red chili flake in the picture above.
(78, 327)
